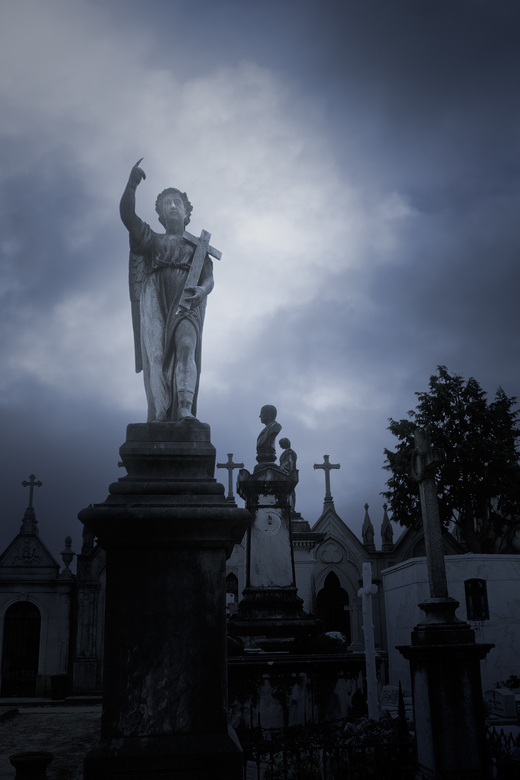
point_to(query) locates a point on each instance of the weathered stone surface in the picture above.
(275, 690)
(502, 703)
(170, 277)
(167, 539)
(265, 451)
(444, 657)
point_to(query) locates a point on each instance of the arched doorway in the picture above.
(231, 593)
(21, 649)
(332, 606)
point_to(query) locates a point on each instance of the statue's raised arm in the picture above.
(127, 205)
(168, 302)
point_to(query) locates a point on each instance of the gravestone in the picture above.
(271, 611)
(287, 671)
(502, 703)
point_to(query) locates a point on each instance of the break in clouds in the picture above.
(363, 193)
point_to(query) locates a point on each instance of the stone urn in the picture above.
(31, 765)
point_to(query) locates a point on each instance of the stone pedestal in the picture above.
(447, 695)
(167, 529)
(270, 614)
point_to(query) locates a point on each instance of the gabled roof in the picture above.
(331, 524)
(410, 544)
(27, 558)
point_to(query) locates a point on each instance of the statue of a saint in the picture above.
(288, 457)
(265, 451)
(288, 460)
(167, 335)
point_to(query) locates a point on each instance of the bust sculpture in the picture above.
(265, 451)
(168, 315)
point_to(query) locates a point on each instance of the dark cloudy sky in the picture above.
(357, 163)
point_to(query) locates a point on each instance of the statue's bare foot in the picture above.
(185, 414)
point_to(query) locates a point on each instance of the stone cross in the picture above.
(230, 466)
(31, 485)
(326, 466)
(202, 248)
(365, 593)
(425, 460)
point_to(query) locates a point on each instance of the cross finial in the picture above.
(326, 466)
(31, 485)
(230, 466)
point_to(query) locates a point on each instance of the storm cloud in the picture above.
(356, 163)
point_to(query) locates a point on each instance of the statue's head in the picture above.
(268, 414)
(188, 208)
(284, 443)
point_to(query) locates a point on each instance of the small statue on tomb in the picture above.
(265, 451)
(288, 463)
(170, 275)
(288, 457)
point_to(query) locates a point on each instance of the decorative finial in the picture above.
(29, 522)
(326, 466)
(67, 555)
(31, 484)
(367, 532)
(387, 532)
(230, 466)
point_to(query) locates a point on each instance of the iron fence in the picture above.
(365, 750)
(330, 751)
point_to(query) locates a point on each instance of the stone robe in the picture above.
(159, 266)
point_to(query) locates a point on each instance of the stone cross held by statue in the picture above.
(425, 460)
(326, 466)
(230, 466)
(202, 248)
(31, 485)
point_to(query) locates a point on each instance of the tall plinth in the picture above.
(168, 530)
(447, 695)
(271, 612)
(444, 657)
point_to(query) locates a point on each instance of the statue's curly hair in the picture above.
(188, 208)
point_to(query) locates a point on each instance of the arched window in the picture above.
(332, 606)
(21, 649)
(477, 606)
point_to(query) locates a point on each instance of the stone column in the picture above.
(444, 657)
(366, 593)
(167, 529)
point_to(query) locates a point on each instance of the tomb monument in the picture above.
(444, 657)
(167, 529)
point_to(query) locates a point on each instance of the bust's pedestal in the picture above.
(447, 694)
(168, 530)
(271, 613)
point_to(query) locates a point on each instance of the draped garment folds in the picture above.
(159, 265)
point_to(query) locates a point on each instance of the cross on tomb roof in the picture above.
(230, 466)
(31, 484)
(326, 466)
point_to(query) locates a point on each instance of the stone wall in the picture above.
(406, 585)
